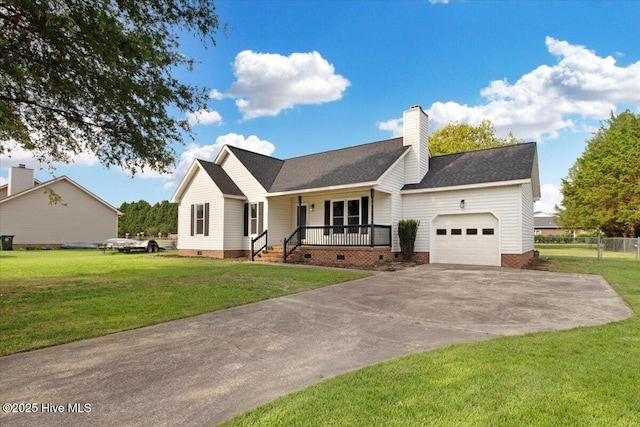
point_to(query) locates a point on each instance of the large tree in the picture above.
(457, 137)
(97, 76)
(602, 189)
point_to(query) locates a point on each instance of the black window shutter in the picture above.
(193, 214)
(246, 219)
(364, 210)
(206, 219)
(364, 214)
(260, 217)
(327, 216)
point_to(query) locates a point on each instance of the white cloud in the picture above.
(439, 1)
(580, 88)
(550, 197)
(268, 83)
(204, 117)
(209, 152)
(394, 126)
(14, 155)
(214, 94)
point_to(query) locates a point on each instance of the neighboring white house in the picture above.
(342, 207)
(27, 213)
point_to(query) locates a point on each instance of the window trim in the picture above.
(345, 226)
(200, 219)
(253, 218)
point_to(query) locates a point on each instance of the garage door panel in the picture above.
(466, 239)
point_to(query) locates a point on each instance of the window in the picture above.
(338, 216)
(253, 209)
(441, 231)
(456, 231)
(487, 232)
(472, 231)
(199, 219)
(253, 218)
(349, 219)
(353, 211)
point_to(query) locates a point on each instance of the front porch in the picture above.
(366, 244)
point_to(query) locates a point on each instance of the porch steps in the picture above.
(271, 254)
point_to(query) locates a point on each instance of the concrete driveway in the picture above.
(205, 369)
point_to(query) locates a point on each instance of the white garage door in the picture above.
(466, 239)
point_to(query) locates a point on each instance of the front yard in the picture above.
(58, 296)
(581, 377)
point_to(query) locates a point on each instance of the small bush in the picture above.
(407, 231)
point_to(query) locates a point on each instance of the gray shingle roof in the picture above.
(221, 179)
(352, 165)
(508, 163)
(545, 222)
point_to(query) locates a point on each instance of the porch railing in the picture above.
(258, 244)
(338, 235)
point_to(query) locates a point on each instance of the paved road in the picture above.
(205, 369)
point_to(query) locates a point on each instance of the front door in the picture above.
(302, 220)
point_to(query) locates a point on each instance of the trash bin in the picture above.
(7, 242)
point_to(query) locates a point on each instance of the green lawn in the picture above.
(53, 297)
(582, 377)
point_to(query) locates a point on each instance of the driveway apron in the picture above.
(205, 369)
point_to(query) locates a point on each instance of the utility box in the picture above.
(6, 242)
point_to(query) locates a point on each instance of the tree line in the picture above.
(602, 190)
(150, 219)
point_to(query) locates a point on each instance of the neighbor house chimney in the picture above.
(20, 179)
(415, 134)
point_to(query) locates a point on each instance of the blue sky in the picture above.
(296, 77)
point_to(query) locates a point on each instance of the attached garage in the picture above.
(466, 239)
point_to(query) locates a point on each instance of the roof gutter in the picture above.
(466, 187)
(324, 189)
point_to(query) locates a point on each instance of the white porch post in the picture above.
(372, 228)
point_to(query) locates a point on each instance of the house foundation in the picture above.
(516, 260)
(214, 253)
(344, 256)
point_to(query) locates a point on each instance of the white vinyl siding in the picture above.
(280, 226)
(233, 225)
(79, 217)
(251, 188)
(415, 133)
(392, 183)
(527, 218)
(201, 190)
(503, 202)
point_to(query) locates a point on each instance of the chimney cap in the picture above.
(413, 107)
(21, 165)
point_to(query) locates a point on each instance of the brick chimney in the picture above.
(416, 135)
(20, 179)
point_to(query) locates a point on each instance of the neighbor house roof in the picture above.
(44, 185)
(502, 164)
(545, 222)
(347, 166)
(221, 179)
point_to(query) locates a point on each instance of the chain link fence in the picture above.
(598, 247)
